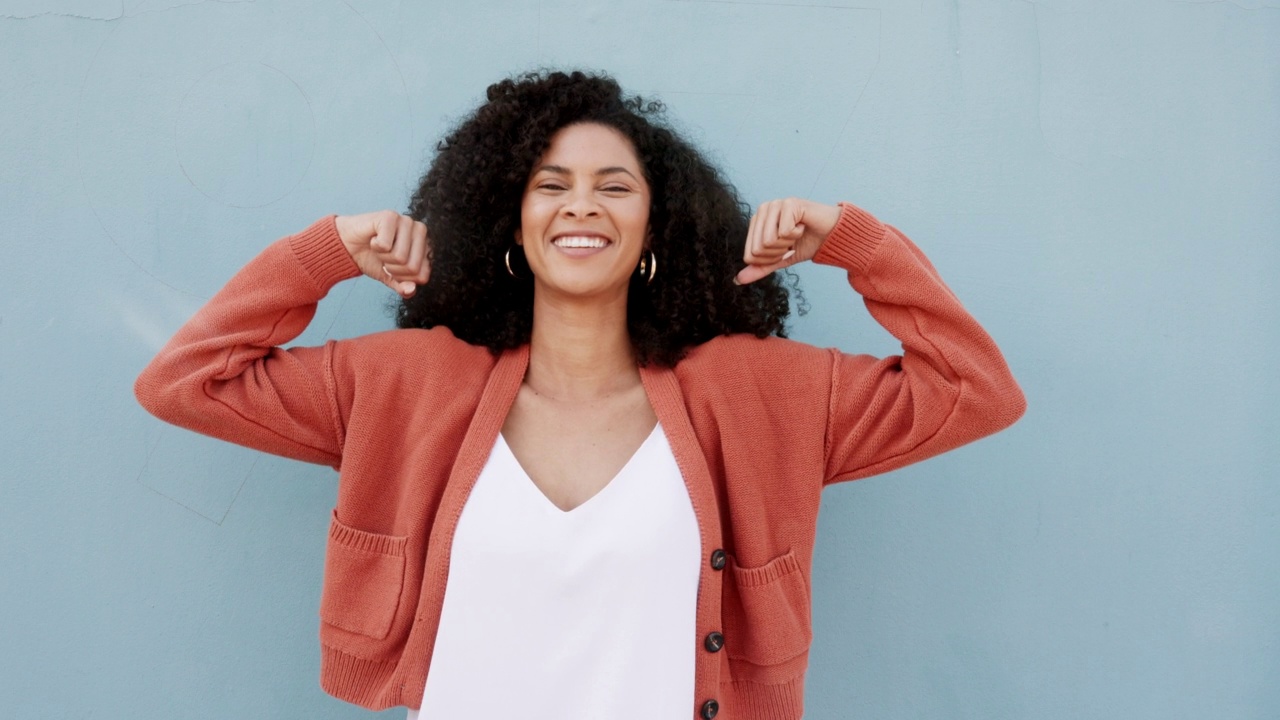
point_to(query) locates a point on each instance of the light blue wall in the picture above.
(1097, 180)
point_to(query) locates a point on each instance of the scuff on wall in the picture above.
(102, 10)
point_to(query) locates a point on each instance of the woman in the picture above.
(583, 477)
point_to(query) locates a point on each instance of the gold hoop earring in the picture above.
(507, 258)
(648, 267)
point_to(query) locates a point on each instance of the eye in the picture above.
(616, 189)
(550, 186)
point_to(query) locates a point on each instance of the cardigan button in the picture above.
(709, 709)
(714, 642)
(717, 559)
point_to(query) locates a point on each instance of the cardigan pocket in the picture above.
(364, 576)
(766, 619)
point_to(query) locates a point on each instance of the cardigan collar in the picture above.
(660, 386)
(665, 396)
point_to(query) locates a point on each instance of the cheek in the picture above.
(528, 227)
(534, 213)
(638, 217)
(641, 219)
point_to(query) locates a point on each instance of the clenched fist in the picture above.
(388, 247)
(785, 232)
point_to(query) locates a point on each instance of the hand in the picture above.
(388, 247)
(783, 233)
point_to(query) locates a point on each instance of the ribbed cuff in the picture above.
(323, 255)
(853, 241)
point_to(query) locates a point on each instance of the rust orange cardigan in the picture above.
(408, 417)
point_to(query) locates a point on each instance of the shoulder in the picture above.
(714, 353)
(435, 352)
(767, 368)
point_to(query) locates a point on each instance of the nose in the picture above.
(580, 203)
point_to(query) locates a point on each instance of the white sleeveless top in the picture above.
(588, 613)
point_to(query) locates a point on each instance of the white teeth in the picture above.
(578, 241)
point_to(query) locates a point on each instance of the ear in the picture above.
(519, 238)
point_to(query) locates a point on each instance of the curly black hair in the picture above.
(470, 201)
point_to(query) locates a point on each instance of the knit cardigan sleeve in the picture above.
(949, 386)
(224, 373)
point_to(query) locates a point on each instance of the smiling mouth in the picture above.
(580, 241)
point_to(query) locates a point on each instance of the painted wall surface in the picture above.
(1097, 181)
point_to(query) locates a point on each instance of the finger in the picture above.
(752, 273)
(390, 278)
(405, 258)
(748, 243)
(791, 222)
(415, 267)
(403, 246)
(767, 247)
(411, 268)
(755, 236)
(403, 288)
(418, 262)
(395, 274)
(384, 231)
(772, 246)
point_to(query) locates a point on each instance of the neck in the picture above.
(580, 351)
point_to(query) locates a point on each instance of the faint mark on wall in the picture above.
(94, 9)
(1044, 141)
(138, 7)
(150, 323)
(844, 127)
(699, 113)
(245, 134)
(203, 475)
(1257, 5)
(82, 9)
(188, 123)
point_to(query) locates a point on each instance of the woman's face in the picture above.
(584, 219)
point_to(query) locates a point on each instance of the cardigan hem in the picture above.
(360, 681)
(784, 701)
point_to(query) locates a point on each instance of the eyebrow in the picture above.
(561, 170)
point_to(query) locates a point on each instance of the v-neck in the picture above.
(527, 479)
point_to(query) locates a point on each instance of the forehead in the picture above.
(588, 146)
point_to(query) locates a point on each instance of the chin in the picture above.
(584, 287)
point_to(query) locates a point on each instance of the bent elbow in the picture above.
(158, 397)
(1004, 406)
(1015, 405)
(149, 394)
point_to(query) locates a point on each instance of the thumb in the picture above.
(403, 288)
(752, 273)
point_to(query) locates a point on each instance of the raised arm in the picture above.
(949, 386)
(223, 373)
